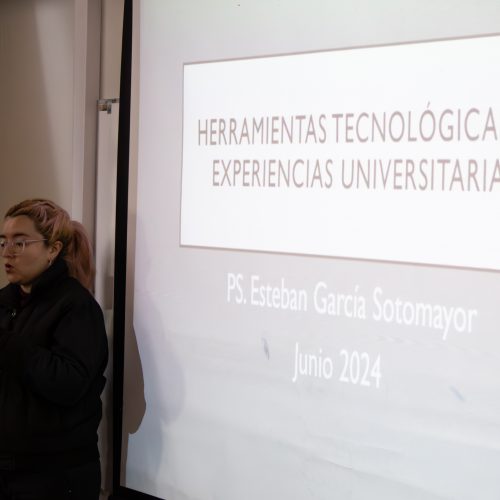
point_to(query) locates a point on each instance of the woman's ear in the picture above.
(55, 250)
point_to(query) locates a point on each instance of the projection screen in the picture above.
(314, 267)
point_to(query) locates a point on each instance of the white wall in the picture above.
(36, 82)
(49, 60)
(111, 46)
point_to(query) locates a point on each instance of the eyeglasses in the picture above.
(16, 246)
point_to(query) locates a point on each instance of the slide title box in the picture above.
(387, 153)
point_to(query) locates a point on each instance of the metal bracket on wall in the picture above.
(106, 104)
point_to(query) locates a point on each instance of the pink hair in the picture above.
(55, 224)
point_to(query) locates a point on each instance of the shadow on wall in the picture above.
(154, 389)
(135, 403)
(36, 115)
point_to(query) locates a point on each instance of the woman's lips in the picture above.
(9, 268)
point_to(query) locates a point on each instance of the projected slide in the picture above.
(382, 153)
(315, 312)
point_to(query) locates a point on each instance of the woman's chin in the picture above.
(13, 278)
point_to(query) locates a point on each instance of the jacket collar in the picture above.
(10, 295)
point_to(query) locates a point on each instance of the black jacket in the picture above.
(53, 352)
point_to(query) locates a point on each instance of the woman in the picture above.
(53, 352)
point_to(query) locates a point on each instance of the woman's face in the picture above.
(22, 269)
